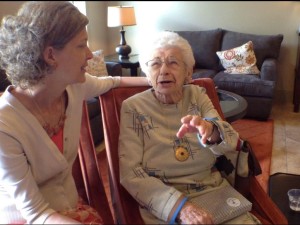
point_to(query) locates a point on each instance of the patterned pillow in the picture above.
(239, 60)
(96, 65)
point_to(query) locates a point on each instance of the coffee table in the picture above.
(233, 106)
(279, 184)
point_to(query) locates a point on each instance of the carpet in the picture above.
(260, 136)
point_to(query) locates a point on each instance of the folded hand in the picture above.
(192, 214)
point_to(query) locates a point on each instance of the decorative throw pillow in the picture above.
(239, 60)
(96, 65)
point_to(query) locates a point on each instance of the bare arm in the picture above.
(133, 81)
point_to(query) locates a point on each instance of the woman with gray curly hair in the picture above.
(44, 52)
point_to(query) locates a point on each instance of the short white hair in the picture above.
(166, 39)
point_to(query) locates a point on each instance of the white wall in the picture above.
(256, 17)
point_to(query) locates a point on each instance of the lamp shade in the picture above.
(120, 16)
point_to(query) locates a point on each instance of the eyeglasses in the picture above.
(171, 62)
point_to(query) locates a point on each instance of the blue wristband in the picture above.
(172, 221)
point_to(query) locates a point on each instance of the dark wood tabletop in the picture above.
(279, 184)
(234, 106)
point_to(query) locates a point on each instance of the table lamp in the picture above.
(121, 16)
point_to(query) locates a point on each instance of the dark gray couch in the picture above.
(113, 69)
(257, 90)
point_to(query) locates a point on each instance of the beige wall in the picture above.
(256, 17)
(9, 7)
(97, 27)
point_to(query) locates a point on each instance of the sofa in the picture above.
(113, 69)
(257, 89)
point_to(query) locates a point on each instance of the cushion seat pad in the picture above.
(245, 85)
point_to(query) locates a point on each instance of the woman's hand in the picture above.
(192, 214)
(193, 124)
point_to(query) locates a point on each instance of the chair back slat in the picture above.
(87, 174)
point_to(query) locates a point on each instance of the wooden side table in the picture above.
(132, 63)
(296, 97)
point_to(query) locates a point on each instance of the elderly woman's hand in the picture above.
(193, 124)
(192, 214)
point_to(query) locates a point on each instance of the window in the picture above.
(80, 5)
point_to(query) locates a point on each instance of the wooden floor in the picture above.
(286, 141)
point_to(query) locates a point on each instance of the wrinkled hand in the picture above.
(193, 124)
(192, 214)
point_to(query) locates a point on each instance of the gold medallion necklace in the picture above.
(51, 130)
(181, 152)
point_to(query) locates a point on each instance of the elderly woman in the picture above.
(170, 136)
(44, 51)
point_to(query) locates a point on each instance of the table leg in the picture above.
(133, 72)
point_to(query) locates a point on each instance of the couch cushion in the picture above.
(265, 46)
(239, 60)
(95, 117)
(96, 65)
(4, 82)
(204, 45)
(203, 73)
(245, 85)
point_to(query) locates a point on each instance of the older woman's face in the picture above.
(167, 71)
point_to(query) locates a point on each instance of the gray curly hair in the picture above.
(166, 39)
(24, 37)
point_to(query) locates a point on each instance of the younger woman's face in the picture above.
(72, 59)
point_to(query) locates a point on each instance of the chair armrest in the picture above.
(268, 70)
(113, 68)
(262, 204)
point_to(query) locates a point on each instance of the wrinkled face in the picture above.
(167, 71)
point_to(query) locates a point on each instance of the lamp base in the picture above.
(123, 51)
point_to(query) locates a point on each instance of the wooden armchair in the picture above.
(125, 206)
(86, 173)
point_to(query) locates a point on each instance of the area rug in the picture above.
(260, 136)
